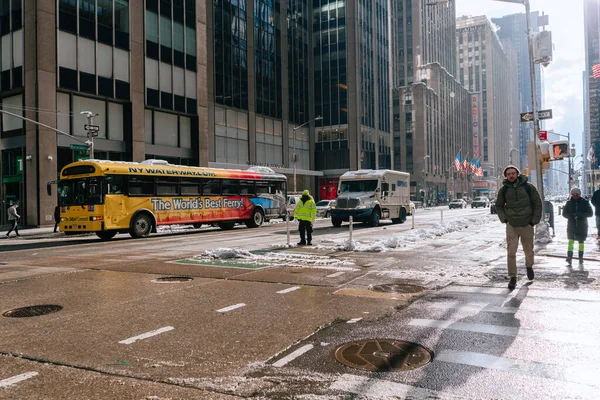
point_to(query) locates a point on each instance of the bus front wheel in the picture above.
(257, 219)
(106, 235)
(141, 225)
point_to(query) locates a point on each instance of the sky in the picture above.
(563, 86)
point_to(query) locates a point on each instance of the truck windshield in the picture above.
(358, 186)
(79, 191)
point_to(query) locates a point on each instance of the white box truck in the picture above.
(371, 195)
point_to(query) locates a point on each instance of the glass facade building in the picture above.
(592, 86)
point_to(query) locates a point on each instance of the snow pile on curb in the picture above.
(410, 237)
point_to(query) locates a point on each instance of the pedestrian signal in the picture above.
(560, 149)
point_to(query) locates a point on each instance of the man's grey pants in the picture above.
(512, 240)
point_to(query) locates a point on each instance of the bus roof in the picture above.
(372, 173)
(162, 168)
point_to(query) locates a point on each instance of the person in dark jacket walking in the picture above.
(596, 204)
(519, 206)
(577, 210)
(13, 217)
(56, 217)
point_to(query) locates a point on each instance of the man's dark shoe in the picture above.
(309, 244)
(301, 243)
(513, 283)
(530, 274)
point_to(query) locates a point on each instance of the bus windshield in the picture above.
(358, 186)
(82, 191)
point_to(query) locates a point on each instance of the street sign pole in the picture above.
(91, 129)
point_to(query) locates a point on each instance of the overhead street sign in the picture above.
(79, 147)
(542, 114)
(91, 128)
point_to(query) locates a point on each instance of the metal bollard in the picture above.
(413, 219)
(350, 220)
(287, 226)
(442, 214)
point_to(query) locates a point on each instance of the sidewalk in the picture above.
(29, 231)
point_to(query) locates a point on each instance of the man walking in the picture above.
(305, 212)
(14, 218)
(596, 204)
(56, 217)
(519, 206)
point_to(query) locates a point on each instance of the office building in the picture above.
(485, 69)
(591, 19)
(514, 27)
(432, 110)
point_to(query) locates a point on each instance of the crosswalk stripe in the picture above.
(556, 336)
(587, 374)
(383, 389)
(553, 294)
(473, 307)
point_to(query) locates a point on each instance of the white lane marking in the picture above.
(233, 307)
(585, 296)
(557, 336)
(478, 307)
(293, 355)
(382, 389)
(335, 274)
(147, 335)
(586, 374)
(353, 320)
(16, 379)
(289, 289)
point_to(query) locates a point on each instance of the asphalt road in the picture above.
(269, 331)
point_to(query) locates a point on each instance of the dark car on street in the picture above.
(480, 202)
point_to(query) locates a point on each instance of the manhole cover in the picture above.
(167, 279)
(397, 288)
(383, 355)
(32, 311)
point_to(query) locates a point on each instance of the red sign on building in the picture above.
(543, 135)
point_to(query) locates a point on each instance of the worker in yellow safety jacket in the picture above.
(305, 212)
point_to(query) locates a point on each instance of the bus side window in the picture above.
(141, 185)
(262, 188)
(211, 187)
(247, 188)
(115, 184)
(230, 187)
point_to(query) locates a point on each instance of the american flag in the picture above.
(479, 169)
(457, 162)
(596, 70)
(473, 165)
(466, 165)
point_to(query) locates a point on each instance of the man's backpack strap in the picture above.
(527, 187)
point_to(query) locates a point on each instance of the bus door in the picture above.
(115, 209)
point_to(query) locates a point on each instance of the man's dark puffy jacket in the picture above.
(596, 201)
(516, 206)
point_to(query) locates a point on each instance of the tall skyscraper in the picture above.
(591, 18)
(431, 108)
(514, 27)
(352, 78)
(484, 65)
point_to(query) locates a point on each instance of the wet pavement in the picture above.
(273, 331)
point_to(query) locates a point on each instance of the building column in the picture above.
(40, 93)
(251, 83)
(201, 82)
(137, 87)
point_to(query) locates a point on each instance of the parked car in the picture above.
(480, 202)
(292, 202)
(457, 203)
(323, 207)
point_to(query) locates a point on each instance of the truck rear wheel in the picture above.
(336, 222)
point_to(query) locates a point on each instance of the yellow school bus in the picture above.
(110, 197)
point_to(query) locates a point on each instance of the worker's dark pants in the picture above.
(305, 229)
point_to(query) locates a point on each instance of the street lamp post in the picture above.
(295, 156)
(424, 183)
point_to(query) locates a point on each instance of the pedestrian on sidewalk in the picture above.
(519, 206)
(13, 216)
(596, 204)
(306, 213)
(577, 210)
(56, 217)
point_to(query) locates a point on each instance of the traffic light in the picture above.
(526, 171)
(560, 149)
